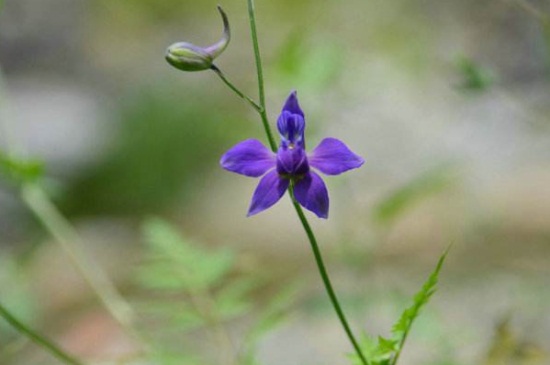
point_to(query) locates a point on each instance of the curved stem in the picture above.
(325, 276)
(37, 338)
(258, 59)
(252, 103)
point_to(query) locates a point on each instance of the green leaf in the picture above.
(402, 327)
(378, 352)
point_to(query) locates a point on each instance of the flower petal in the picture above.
(250, 158)
(332, 157)
(270, 189)
(312, 194)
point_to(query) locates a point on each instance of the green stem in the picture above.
(37, 200)
(37, 338)
(258, 59)
(325, 276)
(303, 220)
(252, 103)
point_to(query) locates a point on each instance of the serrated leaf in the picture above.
(402, 327)
(378, 352)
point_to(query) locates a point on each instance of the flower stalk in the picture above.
(37, 338)
(297, 207)
(325, 277)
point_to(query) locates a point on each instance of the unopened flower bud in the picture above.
(189, 57)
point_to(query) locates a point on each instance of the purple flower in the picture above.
(291, 164)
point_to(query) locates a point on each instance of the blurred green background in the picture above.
(448, 101)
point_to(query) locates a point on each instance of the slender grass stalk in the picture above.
(38, 338)
(39, 203)
(259, 71)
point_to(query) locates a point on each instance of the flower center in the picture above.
(292, 161)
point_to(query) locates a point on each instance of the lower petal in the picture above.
(270, 189)
(312, 194)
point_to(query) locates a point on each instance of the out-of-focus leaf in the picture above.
(20, 170)
(473, 77)
(428, 183)
(311, 66)
(232, 299)
(506, 348)
(176, 263)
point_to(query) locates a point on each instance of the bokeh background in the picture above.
(448, 101)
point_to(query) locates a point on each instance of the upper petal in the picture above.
(250, 158)
(270, 189)
(312, 194)
(333, 157)
(291, 123)
(291, 104)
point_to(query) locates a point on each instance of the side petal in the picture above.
(312, 194)
(332, 157)
(270, 189)
(249, 158)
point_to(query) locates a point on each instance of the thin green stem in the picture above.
(242, 95)
(325, 276)
(258, 59)
(39, 203)
(38, 339)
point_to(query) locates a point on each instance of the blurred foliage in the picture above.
(473, 77)
(154, 11)
(546, 36)
(421, 187)
(507, 349)
(386, 351)
(15, 292)
(167, 142)
(311, 67)
(20, 170)
(197, 288)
